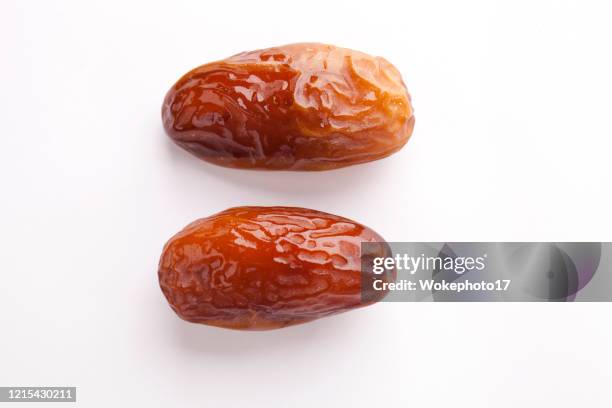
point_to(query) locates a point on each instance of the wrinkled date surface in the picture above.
(259, 268)
(295, 107)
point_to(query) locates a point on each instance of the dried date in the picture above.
(259, 268)
(295, 107)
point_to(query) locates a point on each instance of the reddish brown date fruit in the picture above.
(296, 107)
(260, 268)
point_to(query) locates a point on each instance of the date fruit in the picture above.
(260, 268)
(295, 107)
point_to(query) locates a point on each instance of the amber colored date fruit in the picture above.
(295, 107)
(260, 268)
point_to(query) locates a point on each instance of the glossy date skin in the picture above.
(261, 268)
(302, 106)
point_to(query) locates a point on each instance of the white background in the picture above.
(513, 141)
